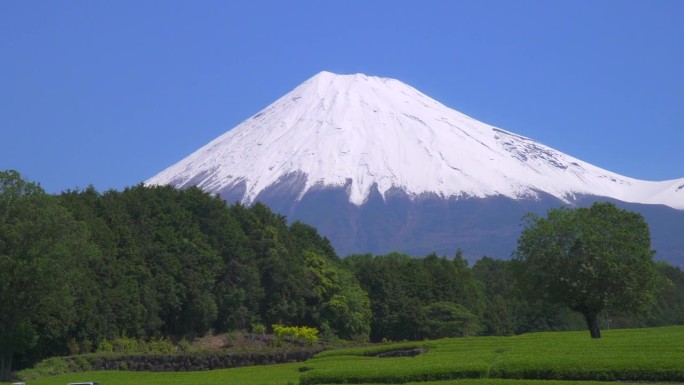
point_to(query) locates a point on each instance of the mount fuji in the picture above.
(378, 166)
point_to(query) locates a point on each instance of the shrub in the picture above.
(74, 347)
(184, 345)
(82, 364)
(48, 367)
(126, 345)
(296, 333)
(258, 328)
(105, 346)
(86, 346)
(161, 345)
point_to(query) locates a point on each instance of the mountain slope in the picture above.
(357, 132)
(377, 167)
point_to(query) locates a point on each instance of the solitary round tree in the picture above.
(593, 260)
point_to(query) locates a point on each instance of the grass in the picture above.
(653, 354)
(251, 375)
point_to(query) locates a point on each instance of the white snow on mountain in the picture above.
(336, 129)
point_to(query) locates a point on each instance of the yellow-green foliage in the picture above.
(258, 328)
(296, 333)
(105, 346)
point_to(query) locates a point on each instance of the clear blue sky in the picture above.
(109, 93)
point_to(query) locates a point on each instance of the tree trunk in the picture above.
(593, 325)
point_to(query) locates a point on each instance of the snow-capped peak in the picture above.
(358, 131)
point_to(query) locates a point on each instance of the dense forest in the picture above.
(151, 262)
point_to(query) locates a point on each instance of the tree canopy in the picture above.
(593, 260)
(40, 245)
(416, 298)
(82, 268)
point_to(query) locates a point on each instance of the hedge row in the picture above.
(187, 362)
(421, 375)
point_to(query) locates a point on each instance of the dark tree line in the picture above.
(158, 262)
(417, 298)
(150, 262)
(184, 263)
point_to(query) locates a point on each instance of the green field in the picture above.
(641, 355)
